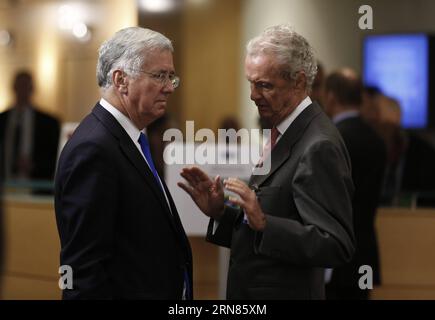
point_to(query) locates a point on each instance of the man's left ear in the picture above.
(301, 81)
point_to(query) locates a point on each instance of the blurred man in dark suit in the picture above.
(119, 228)
(343, 98)
(296, 219)
(29, 138)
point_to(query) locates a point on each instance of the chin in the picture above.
(160, 113)
(264, 114)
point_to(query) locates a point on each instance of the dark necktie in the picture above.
(273, 137)
(145, 146)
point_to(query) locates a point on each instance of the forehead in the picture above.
(260, 67)
(159, 60)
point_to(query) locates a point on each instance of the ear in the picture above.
(120, 81)
(300, 81)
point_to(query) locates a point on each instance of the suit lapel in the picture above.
(282, 150)
(178, 224)
(132, 154)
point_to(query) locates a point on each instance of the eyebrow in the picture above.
(165, 71)
(258, 81)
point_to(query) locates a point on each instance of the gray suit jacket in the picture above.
(307, 201)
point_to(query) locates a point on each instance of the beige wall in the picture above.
(211, 58)
(64, 68)
(206, 38)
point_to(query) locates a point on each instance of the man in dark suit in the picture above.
(119, 228)
(295, 220)
(29, 138)
(368, 156)
(2, 232)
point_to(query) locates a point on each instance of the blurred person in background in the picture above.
(29, 138)
(410, 153)
(384, 115)
(343, 100)
(396, 141)
(370, 109)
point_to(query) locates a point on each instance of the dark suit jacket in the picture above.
(368, 155)
(116, 230)
(46, 132)
(2, 232)
(307, 201)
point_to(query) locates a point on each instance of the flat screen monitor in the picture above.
(398, 64)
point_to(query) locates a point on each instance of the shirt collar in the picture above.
(345, 115)
(124, 121)
(285, 124)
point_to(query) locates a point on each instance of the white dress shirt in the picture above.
(285, 124)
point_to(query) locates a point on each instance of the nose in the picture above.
(168, 87)
(255, 95)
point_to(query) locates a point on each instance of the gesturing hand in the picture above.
(248, 201)
(207, 194)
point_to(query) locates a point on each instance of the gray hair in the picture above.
(127, 50)
(292, 50)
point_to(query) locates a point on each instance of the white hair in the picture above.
(292, 51)
(127, 50)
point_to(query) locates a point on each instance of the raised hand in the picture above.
(206, 193)
(248, 201)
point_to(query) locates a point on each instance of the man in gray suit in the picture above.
(295, 220)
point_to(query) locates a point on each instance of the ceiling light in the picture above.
(5, 38)
(157, 5)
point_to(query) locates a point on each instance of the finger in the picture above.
(240, 186)
(186, 174)
(199, 174)
(218, 183)
(186, 188)
(238, 183)
(239, 191)
(188, 181)
(214, 186)
(236, 201)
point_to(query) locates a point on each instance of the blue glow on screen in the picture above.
(399, 66)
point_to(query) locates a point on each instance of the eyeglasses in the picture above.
(163, 77)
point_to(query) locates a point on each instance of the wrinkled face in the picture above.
(146, 97)
(273, 95)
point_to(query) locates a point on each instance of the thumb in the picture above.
(217, 182)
